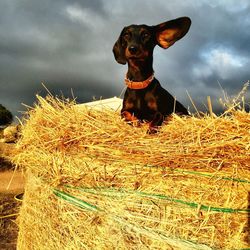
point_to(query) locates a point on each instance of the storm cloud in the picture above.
(67, 45)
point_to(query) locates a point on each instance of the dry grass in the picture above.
(94, 182)
(9, 207)
(8, 227)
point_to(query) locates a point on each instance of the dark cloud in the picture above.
(68, 45)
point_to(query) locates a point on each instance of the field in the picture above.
(9, 206)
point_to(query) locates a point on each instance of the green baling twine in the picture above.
(115, 192)
(106, 191)
(76, 201)
(102, 190)
(87, 206)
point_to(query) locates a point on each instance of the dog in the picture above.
(144, 98)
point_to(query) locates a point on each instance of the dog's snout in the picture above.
(133, 50)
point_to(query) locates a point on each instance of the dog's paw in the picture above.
(131, 119)
(152, 130)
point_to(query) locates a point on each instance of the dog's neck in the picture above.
(140, 70)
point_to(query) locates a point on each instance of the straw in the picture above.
(95, 182)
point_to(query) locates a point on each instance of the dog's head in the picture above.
(136, 42)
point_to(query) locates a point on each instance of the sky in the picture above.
(67, 46)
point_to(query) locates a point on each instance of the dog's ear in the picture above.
(169, 32)
(119, 51)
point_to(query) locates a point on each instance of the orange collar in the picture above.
(138, 85)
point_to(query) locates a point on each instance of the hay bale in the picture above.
(95, 182)
(11, 133)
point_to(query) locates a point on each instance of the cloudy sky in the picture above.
(68, 45)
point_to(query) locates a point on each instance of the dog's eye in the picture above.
(145, 35)
(126, 36)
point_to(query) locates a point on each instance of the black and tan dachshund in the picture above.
(145, 99)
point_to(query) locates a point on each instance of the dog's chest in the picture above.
(140, 101)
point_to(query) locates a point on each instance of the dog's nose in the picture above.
(132, 50)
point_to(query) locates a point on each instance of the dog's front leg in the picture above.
(155, 123)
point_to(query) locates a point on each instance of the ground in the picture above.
(11, 184)
(8, 227)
